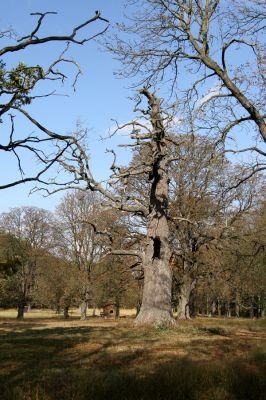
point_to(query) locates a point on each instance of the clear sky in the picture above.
(99, 97)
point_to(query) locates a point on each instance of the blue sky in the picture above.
(99, 96)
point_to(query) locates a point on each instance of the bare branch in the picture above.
(122, 252)
(32, 40)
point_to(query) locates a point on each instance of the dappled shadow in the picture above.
(20, 325)
(117, 362)
(25, 353)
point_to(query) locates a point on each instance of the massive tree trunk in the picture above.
(156, 302)
(186, 288)
(157, 289)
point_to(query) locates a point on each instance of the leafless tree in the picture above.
(151, 132)
(212, 52)
(18, 85)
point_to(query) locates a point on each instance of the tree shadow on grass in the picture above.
(23, 354)
(79, 363)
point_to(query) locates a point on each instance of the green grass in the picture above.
(204, 359)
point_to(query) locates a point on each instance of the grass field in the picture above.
(47, 358)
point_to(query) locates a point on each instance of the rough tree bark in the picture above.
(155, 258)
(157, 289)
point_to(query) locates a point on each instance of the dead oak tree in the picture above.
(210, 55)
(155, 253)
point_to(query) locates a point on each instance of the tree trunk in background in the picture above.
(139, 300)
(20, 314)
(197, 310)
(186, 288)
(237, 305)
(219, 310)
(251, 310)
(156, 307)
(228, 309)
(117, 307)
(207, 305)
(237, 310)
(83, 310)
(85, 298)
(66, 312)
(259, 306)
(213, 308)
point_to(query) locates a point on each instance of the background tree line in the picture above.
(60, 260)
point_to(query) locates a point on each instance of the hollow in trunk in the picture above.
(156, 307)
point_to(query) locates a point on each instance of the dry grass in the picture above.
(40, 314)
(45, 358)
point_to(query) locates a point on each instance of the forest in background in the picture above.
(182, 226)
